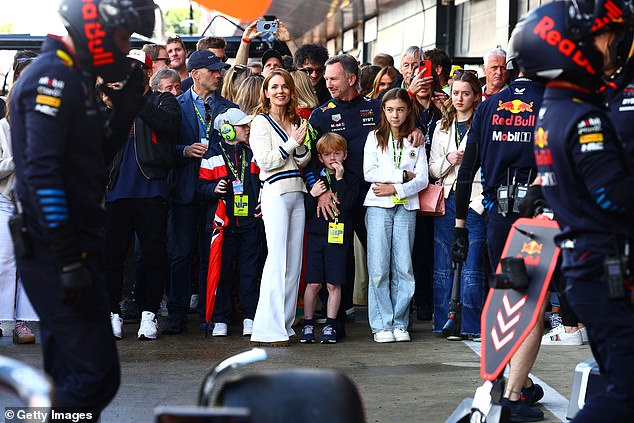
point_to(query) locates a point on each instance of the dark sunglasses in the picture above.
(163, 59)
(207, 112)
(458, 72)
(309, 71)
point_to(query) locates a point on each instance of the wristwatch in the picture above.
(405, 176)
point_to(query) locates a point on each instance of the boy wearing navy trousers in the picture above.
(228, 172)
(329, 240)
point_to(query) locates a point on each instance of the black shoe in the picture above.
(522, 412)
(533, 394)
(130, 312)
(175, 326)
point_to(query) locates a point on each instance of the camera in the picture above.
(266, 26)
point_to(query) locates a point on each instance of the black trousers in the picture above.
(147, 218)
(78, 348)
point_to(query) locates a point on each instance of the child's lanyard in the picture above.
(329, 182)
(243, 163)
(397, 160)
(206, 124)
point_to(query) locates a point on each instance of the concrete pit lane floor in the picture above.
(419, 381)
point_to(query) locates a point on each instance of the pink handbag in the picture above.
(432, 200)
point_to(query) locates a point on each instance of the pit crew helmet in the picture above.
(91, 24)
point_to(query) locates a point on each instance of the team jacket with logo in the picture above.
(58, 144)
(621, 109)
(584, 175)
(501, 134)
(214, 168)
(353, 120)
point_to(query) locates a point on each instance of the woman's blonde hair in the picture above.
(232, 80)
(248, 95)
(306, 98)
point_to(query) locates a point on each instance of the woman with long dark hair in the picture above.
(447, 149)
(397, 171)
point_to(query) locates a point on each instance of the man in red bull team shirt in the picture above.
(500, 141)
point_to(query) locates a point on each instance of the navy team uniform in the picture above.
(587, 182)
(326, 262)
(621, 108)
(243, 237)
(59, 151)
(500, 142)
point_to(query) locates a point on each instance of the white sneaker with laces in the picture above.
(401, 335)
(247, 327)
(220, 329)
(559, 336)
(384, 336)
(117, 323)
(149, 326)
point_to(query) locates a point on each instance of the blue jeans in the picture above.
(473, 278)
(390, 243)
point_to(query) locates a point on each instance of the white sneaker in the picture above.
(220, 329)
(149, 326)
(559, 336)
(247, 327)
(384, 336)
(401, 335)
(584, 335)
(117, 323)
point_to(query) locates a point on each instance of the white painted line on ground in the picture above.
(553, 401)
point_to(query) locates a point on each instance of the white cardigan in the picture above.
(443, 143)
(7, 168)
(378, 166)
(279, 161)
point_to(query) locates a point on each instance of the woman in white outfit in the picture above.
(277, 141)
(14, 303)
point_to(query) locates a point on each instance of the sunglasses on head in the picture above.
(458, 72)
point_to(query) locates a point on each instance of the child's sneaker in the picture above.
(328, 335)
(308, 334)
(149, 326)
(401, 335)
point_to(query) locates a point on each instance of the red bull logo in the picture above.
(515, 106)
(517, 121)
(95, 35)
(532, 247)
(612, 14)
(544, 30)
(541, 138)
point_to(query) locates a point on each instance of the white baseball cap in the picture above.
(233, 116)
(140, 56)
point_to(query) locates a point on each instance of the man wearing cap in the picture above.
(228, 174)
(136, 201)
(271, 59)
(199, 107)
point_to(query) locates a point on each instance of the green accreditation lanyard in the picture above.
(243, 164)
(206, 124)
(397, 158)
(240, 200)
(457, 134)
(397, 165)
(335, 229)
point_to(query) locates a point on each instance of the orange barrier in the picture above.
(245, 10)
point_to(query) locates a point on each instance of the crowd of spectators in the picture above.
(283, 161)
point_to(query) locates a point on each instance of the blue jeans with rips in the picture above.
(473, 277)
(390, 243)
